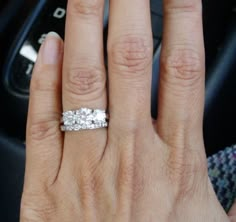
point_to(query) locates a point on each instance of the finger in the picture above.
(232, 213)
(44, 140)
(181, 91)
(130, 58)
(83, 72)
(84, 76)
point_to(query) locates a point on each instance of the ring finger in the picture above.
(84, 76)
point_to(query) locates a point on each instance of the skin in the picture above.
(135, 170)
(232, 213)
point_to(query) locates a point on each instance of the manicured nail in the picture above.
(51, 53)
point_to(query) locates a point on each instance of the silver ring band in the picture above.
(84, 119)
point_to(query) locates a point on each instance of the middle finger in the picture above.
(130, 50)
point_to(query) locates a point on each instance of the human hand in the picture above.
(134, 170)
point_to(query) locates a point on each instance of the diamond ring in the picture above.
(84, 119)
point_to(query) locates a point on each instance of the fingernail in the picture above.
(51, 52)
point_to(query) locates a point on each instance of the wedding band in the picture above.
(84, 119)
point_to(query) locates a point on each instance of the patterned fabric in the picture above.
(222, 172)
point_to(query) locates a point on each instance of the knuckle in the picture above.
(126, 170)
(182, 66)
(35, 207)
(187, 171)
(85, 83)
(28, 214)
(130, 54)
(89, 184)
(183, 7)
(90, 179)
(85, 7)
(44, 130)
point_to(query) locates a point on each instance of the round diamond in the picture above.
(68, 118)
(77, 127)
(92, 126)
(99, 116)
(85, 111)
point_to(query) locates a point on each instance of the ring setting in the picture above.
(84, 119)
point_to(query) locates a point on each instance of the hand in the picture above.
(134, 170)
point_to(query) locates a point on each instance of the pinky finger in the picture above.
(44, 139)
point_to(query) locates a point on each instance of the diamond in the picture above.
(84, 126)
(68, 118)
(92, 126)
(99, 116)
(83, 119)
(77, 127)
(85, 111)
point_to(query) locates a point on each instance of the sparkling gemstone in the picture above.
(77, 127)
(99, 116)
(69, 128)
(68, 118)
(90, 117)
(83, 119)
(85, 111)
(92, 126)
(84, 126)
